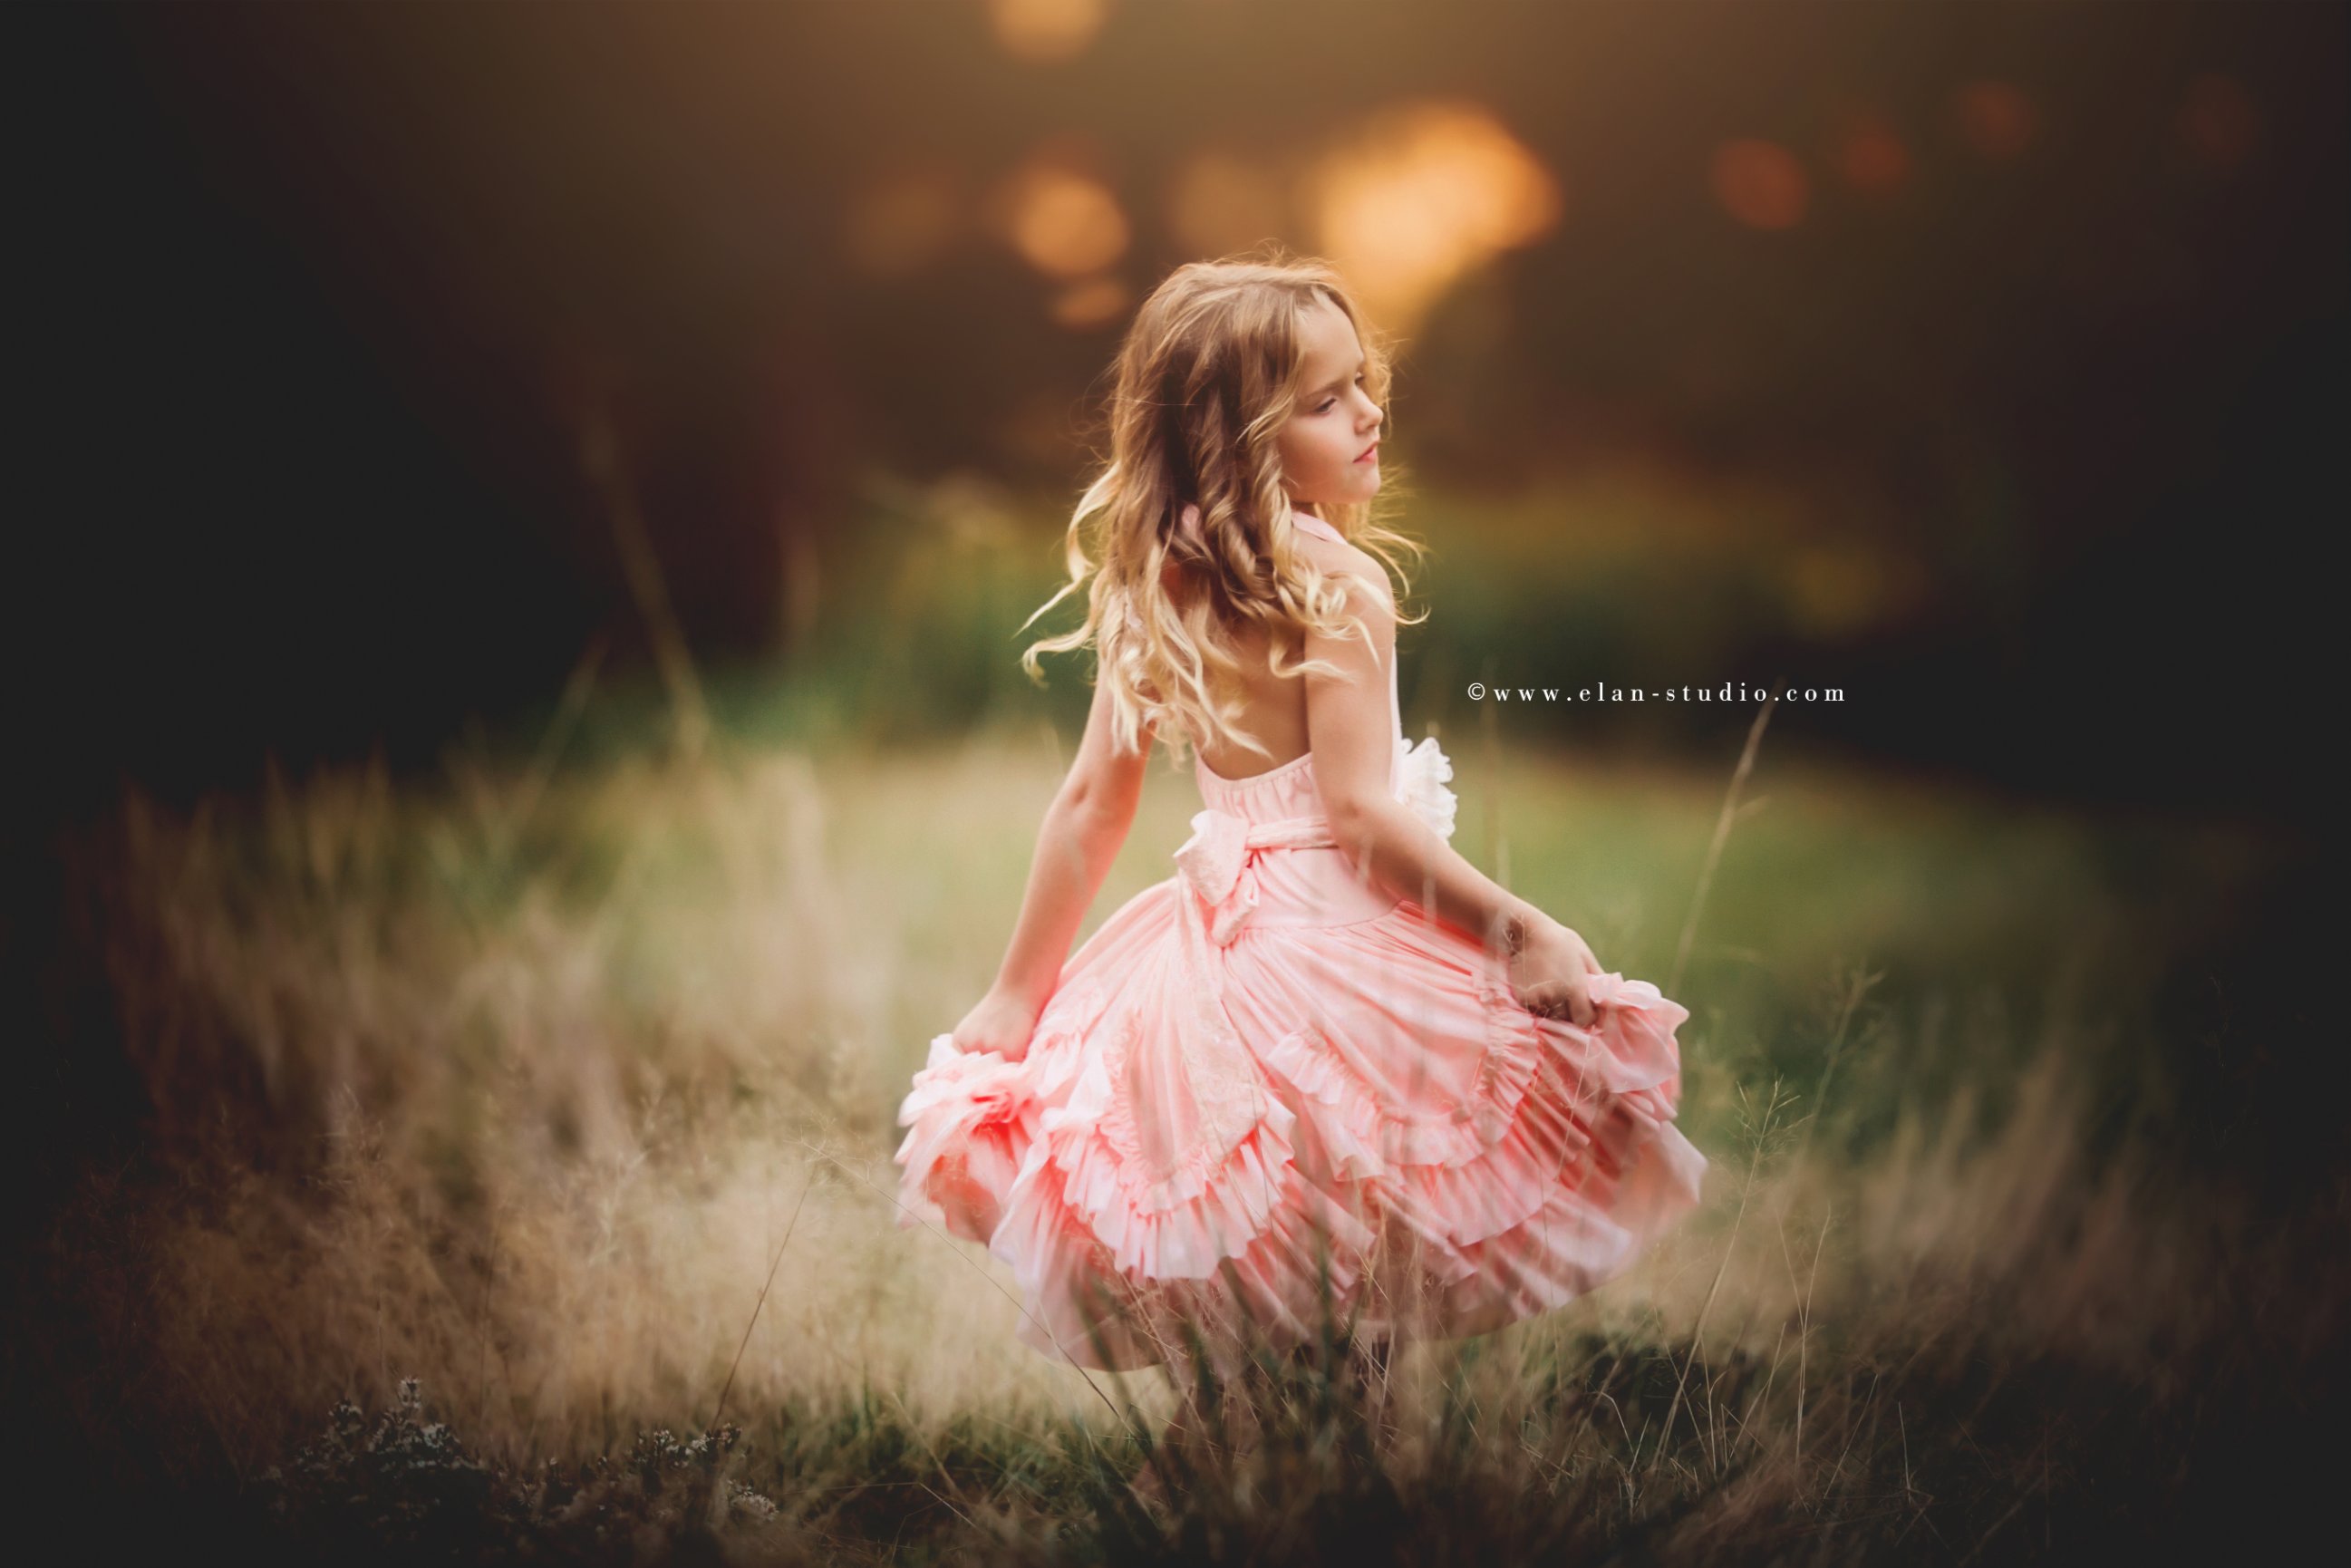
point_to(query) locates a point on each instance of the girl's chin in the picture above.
(1356, 488)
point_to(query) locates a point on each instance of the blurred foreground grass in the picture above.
(521, 1084)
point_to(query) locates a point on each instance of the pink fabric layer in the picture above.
(1267, 1097)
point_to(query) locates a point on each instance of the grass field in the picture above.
(518, 1085)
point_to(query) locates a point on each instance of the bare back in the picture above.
(1272, 712)
(1272, 708)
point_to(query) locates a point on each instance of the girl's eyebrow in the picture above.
(1342, 379)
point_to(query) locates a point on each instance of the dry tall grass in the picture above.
(517, 1089)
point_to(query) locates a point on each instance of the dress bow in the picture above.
(1220, 859)
(1211, 1091)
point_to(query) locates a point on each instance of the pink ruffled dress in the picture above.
(1266, 1096)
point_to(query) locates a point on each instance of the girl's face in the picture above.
(1330, 447)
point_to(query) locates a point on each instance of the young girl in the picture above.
(1327, 1078)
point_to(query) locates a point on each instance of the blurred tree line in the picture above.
(1984, 357)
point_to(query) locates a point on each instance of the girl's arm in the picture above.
(1081, 836)
(1353, 738)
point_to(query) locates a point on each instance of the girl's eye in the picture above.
(1335, 401)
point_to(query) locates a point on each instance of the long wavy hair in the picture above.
(1206, 378)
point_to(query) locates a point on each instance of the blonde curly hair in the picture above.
(1186, 534)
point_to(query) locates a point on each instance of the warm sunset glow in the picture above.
(2219, 123)
(1996, 117)
(1063, 223)
(900, 224)
(1045, 31)
(1218, 203)
(1421, 195)
(1871, 157)
(1759, 183)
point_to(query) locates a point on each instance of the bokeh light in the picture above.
(1046, 31)
(1062, 221)
(1871, 157)
(1759, 183)
(1421, 194)
(1995, 118)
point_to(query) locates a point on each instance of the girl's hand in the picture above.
(1002, 1023)
(1548, 974)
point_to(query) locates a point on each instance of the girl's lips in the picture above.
(1370, 454)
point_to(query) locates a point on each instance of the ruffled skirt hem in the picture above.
(1532, 1161)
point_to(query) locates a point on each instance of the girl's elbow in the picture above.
(1355, 819)
(1093, 814)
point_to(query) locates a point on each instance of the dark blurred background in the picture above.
(2025, 323)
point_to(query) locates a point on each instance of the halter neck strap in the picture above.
(1314, 525)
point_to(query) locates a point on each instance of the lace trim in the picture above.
(1096, 1107)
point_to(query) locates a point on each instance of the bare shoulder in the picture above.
(1367, 580)
(1368, 601)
